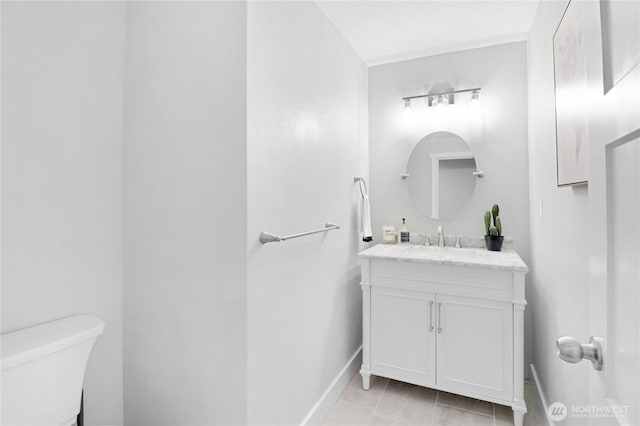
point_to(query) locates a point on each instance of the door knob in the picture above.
(571, 350)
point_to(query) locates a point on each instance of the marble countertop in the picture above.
(470, 257)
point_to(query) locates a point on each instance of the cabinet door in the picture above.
(403, 335)
(475, 346)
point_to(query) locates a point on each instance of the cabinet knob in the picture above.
(439, 317)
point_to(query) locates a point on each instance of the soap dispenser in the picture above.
(404, 232)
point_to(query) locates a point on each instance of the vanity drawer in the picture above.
(480, 282)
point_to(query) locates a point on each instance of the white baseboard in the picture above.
(331, 395)
(541, 395)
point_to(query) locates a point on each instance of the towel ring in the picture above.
(361, 182)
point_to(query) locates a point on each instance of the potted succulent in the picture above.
(493, 237)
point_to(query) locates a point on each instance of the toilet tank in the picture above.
(42, 369)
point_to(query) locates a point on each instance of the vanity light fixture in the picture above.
(442, 98)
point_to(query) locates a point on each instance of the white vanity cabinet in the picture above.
(445, 318)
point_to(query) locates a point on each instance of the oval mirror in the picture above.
(440, 174)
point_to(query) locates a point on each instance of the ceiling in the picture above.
(393, 30)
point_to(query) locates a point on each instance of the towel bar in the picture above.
(266, 237)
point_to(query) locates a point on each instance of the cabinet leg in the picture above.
(518, 417)
(366, 380)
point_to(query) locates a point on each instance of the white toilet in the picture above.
(42, 369)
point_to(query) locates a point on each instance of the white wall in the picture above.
(497, 133)
(185, 213)
(62, 72)
(559, 293)
(306, 141)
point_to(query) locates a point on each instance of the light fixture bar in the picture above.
(451, 92)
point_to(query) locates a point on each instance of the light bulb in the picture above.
(442, 100)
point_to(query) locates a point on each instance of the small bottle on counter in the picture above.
(404, 232)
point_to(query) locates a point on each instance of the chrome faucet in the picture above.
(440, 236)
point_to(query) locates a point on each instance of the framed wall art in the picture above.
(570, 80)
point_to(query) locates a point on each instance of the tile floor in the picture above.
(389, 402)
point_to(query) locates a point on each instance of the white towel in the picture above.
(367, 235)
